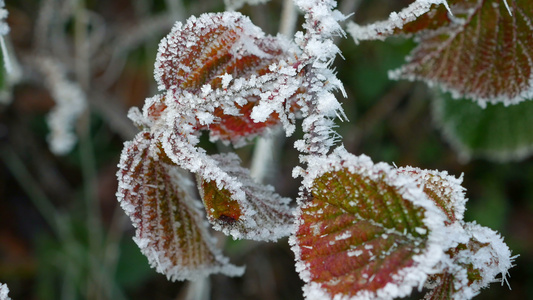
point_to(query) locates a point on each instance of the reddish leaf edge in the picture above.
(442, 236)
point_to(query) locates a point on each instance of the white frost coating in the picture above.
(266, 216)
(485, 85)
(319, 105)
(381, 30)
(447, 188)
(142, 180)
(442, 231)
(4, 291)
(275, 90)
(4, 30)
(491, 260)
(70, 103)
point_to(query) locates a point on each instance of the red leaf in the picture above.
(170, 231)
(371, 231)
(482, 52)
(226, 65)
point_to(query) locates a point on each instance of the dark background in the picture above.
(89, 253)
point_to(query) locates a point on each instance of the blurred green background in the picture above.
(62, 234)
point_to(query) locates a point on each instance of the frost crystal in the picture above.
(4, 291)
(217, 72)
(70, 104)
(458, 53)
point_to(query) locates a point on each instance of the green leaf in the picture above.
(170, 229)
(496, 133)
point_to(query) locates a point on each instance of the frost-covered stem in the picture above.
(319, 52)
(267, 148)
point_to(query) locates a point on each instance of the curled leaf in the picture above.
(219, 68)
(170, 229)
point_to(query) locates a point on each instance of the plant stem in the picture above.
(267, 148)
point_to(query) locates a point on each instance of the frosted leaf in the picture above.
(200, 51)
(477, 263)
(235, 204)
(371, 231)
(497, 133)
(70, 101)
(481, 52)
(170, 229)
(445, 190)
(227, 71)
(4, 291)
(402, 22)
(260, 215)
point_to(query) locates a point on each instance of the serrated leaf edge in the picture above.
(440, 237)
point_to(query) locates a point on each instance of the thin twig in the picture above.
(268, 148)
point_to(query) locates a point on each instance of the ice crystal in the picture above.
(319, 105)
(237, 80)
(480, 50)
(217, 72)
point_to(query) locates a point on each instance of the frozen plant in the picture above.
(359, 230)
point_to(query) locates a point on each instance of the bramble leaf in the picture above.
(253, 211)
(482, 52)
(235, 203)
(170, 229)
(219, 67)
(476, 264)
(497, 132)
(371, 231)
